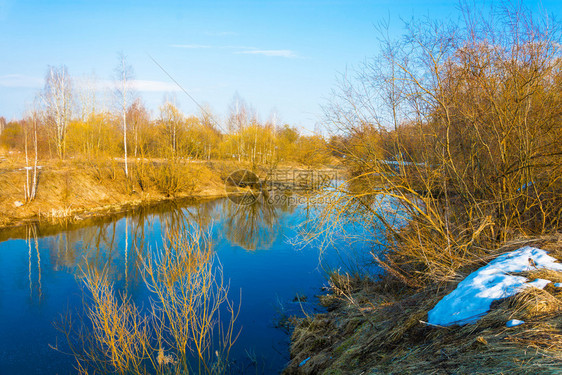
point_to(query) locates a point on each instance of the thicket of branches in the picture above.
(188, 326)
(460, 124)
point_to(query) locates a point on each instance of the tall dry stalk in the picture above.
(182, 331)
(188, 292)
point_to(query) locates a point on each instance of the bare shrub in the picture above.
(180, 332)
(457, 124)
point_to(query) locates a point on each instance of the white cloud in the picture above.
(20, 81)
(243, 48)
(154, 86)
(286, 53)
(272, 53)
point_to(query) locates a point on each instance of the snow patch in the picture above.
(474, 295)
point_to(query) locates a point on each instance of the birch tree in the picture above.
(124, 96)
(238, 120)
(57, 99)
(138, 119)
(30, 125)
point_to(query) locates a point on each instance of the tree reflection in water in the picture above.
(253, 226)
(34, 256)
(117, 245)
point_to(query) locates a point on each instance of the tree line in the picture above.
(64, 122)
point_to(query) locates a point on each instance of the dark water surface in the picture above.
(39, 284)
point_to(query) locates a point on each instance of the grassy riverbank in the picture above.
(380, 327)
(76, 190)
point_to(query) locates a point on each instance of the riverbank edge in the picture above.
(380, 327)
(80, 217)
(14, 225)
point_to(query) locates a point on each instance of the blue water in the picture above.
(39, 286)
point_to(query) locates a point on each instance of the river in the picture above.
(269, 278)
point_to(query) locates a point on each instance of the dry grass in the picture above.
(74, 189)
(69, 190)
(379, 327)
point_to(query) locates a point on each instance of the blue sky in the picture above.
(279, 56)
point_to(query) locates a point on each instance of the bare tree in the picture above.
(172, 120)
(138, 118)
(238, 120)
(30, 124)
(468, 120)
(124, 95)
(57, 99)
(211, 132)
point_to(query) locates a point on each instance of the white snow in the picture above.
(514, 323)
(474, 295)
(558, 285)
(30, 168)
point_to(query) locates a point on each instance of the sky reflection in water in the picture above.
(38, 284)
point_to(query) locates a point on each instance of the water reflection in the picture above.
(118, 245)
(35, 289)
(253, 226)
(42, 268)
